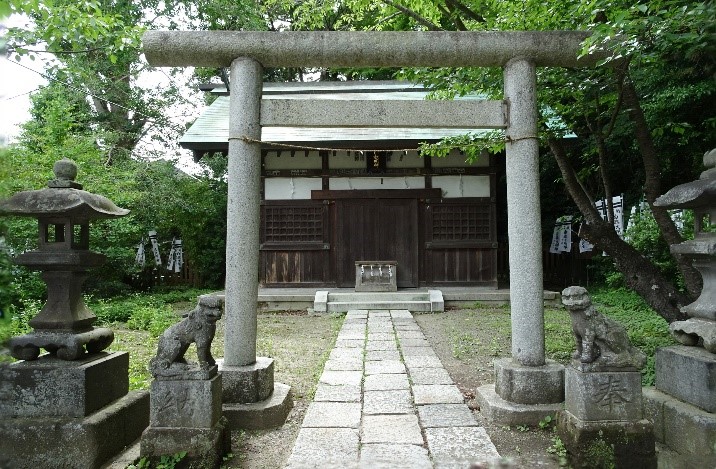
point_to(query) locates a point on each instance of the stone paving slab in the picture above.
(335, 378)
(369, 412)
(381, 328)
(351, 335)
(446, 415)
(376, 355)
(418, 352)
(379, 313)
(350, 343)
(437, 394)
(345, 352)
(344, 364)
(381, 336)
(340, 393)
(330, 447)
(391, 456)
(422, 361)
(401, 314)
(386, 382)
(409, 334)
(384, 367)
(332, 414)
(460, 446)
(431, 376)
(414, 343)
(406, 326)
(381, 345)
(392, 429)
(387, 402)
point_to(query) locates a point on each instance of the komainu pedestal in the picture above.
(602, 423)
(185, 415)
(185, 411)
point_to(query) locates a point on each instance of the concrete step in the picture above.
(343, 306)
(332, 302)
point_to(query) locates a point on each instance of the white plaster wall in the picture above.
(290, 188)
(417, 182)
(272, 160)
(463, 186)
(456, 160)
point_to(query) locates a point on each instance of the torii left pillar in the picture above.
(251, 398)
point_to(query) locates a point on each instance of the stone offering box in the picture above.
(376, 276)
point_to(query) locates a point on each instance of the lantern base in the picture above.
(64, 345)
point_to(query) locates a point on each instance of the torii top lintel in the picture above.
(366, 48)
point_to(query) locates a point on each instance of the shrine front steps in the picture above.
(416, 301)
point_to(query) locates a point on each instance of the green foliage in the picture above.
(559, 450)
(546, 422)
(646, 329)
(147, 312)
(162, 462)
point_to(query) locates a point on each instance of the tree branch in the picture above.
(412, 14)
(466, 10)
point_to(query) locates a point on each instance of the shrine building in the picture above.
(333, 196)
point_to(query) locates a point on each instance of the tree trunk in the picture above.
(652, 186)
(639, 273)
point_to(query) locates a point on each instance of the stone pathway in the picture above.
(384, 400)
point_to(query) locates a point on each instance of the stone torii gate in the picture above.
(527, 381)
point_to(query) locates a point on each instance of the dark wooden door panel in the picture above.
(377, 229)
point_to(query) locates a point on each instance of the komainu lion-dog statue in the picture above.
(602, 343)
(199, 327)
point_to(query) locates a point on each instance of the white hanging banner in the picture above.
(618, 206)
(562, 235)
(170, 261)
(178, 255)
(140, 258)
(155, 248)
(585, 246)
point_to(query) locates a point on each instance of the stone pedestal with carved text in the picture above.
(185, 416)
(602, 422)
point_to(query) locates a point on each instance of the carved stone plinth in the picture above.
(627, 445)
(252, 400)
(602, 424)
(600, 396)
(186, 416)
(64, 345)
(74, 414)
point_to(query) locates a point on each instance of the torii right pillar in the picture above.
(527, 386)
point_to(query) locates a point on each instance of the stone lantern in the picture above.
(699, 195)
(64, 325)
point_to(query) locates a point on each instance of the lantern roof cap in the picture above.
(62, 197)
(694, 194)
